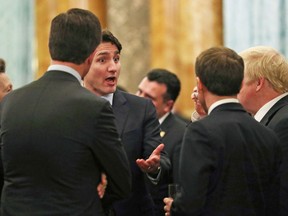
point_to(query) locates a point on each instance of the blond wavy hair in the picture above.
(262, 61)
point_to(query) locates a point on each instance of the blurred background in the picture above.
(154, 33)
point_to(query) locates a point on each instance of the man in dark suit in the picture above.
(229, 163)
(137, 125)
(57, 137)
(163, 87)
(264, 94)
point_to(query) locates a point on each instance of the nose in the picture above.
(112, 67)
(140, 94)
(194, 96)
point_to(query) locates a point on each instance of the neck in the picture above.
(211, 98)
(91, 88)
(81, 68)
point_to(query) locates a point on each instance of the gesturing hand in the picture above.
(152, 164)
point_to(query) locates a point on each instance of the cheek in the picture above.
(241, 95)
(245, 96)
(118, 70)
(160, 105)
(244, 91)
(155, 104)
(91, 76)
(97, 73)
(94, 79)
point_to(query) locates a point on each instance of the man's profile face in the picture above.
(5, 85)
(198, 107)
(247, 95)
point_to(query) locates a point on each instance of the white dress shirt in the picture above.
(266, 107)
(161, 120)
(109, 97)
(66, 69)
(223, 101)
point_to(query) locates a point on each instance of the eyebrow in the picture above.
(147, 95)
(106, 53)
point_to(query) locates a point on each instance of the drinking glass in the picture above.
(173, 189)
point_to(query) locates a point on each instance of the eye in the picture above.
(116, 59)
(101, 60)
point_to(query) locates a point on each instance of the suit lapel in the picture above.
(120, 110)
(269, 115)
(165, 126)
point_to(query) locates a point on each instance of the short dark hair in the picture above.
(74, 35)
(107, 36)
(2, 66)
(167, 78)
(221, 70)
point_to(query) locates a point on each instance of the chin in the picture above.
(111, 90)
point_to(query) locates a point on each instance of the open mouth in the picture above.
(111, 80)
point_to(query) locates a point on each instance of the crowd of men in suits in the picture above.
(72, 143)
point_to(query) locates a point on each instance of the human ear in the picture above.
(260, 83)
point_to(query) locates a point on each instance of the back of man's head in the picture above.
(74, 36)
(266, 62)
(221, 70)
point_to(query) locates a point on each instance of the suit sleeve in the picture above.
(281, 130)
(112, 156)
(175, 162)
(196, 164)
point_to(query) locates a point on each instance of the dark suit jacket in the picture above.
(229, 165)
(277, 119)
(139, 130)
(57, 138)
(172, 131)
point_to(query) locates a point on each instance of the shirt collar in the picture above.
(161, 120)
(109, 97)
(266, 107)
(223, 101)
(65, 69)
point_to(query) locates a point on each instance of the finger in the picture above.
(167, 210)
(100, 190)
(165, 200)
(152, 160)
(159, 148)
(104, 179)
(142, 164)
(153, 164)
